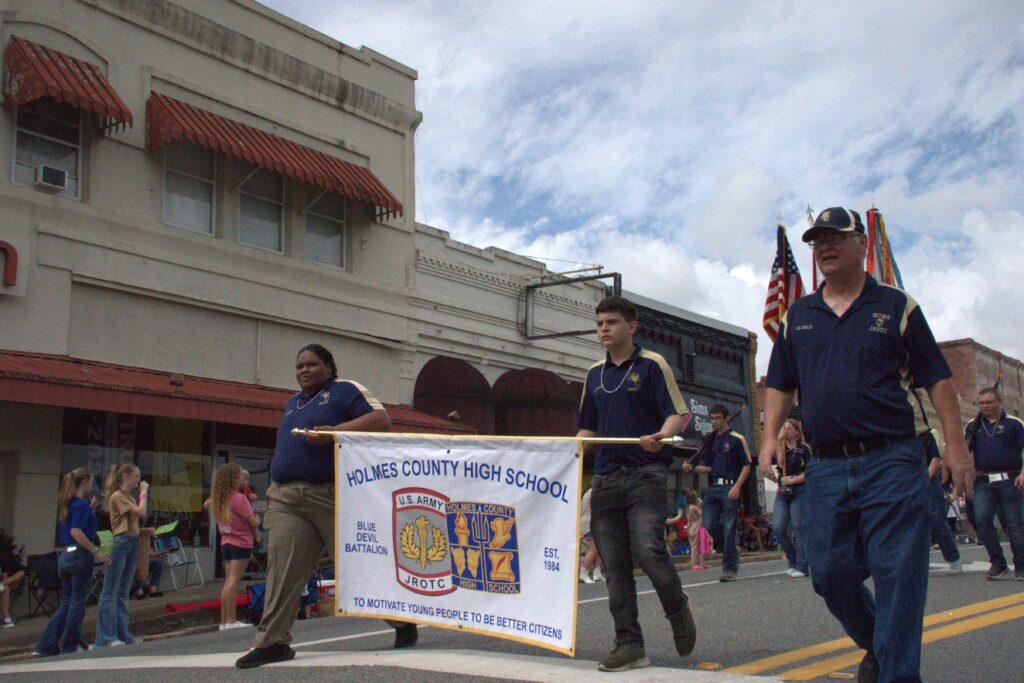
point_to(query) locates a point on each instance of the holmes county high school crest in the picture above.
(442, 545)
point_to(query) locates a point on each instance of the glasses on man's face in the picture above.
(831, 240)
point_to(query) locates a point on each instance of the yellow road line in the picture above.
(793, 656)
(827, 666)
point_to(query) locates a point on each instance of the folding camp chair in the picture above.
(177, 559)
(43, 583)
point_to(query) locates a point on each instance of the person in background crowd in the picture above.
(76, 532)
(850, 349)
(125, 516)
(939, 505)
(632, 393)
(996, 439)
(238, 528)
(300, 510)
(590, 566)
(789, 514)
(149, 586)
(244, 486)
(700, 540)
(727, 463)
(9, 580)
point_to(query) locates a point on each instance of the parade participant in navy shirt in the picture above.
(300, 512)
(996, 440)
(789, 514)
(633, 393)
(76, 532)
(727, 463)
(941, 533)
(854, 350)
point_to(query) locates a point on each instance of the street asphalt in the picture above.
(765, 624)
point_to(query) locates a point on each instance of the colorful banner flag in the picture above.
(478, 534)
(880, 261)
(784, 287)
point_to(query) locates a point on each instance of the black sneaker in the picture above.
(684, 631)
(999, 574)
(258, 656)
(727, 576)
(406, 636)
(625, 656)
(867, 672)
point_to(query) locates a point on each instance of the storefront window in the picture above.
(170, 453)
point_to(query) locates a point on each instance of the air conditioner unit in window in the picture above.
(51, 178)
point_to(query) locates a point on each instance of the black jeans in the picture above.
(628, 512)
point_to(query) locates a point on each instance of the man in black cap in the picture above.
(855, 350)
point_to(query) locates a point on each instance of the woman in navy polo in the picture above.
(300, 508)
(788, 516)
(76, 529)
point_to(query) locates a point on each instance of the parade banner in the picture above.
(474, 533)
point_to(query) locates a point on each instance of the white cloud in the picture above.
(661, 139)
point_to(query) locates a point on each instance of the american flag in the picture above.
(785, 285)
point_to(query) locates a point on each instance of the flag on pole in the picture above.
(880, 261)
(784, 287)
(814, 264)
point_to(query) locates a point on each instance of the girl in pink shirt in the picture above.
(238, 527)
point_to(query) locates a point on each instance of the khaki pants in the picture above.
(300, 521)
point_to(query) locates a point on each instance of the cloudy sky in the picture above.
(662, 139)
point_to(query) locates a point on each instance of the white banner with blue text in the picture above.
(475, 533)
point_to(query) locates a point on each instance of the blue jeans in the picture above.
(870, 518)
(937, 518)
(628, 512)
(787, 525)
(719, 514)
(1004, 499)
(75, 571)
(117, 583)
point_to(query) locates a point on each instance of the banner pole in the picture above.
(670, 441)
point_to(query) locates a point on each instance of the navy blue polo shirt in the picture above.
(80, 516)
(855, 374)
(797, 459)
(726, 455)
(295, 459)
(997, 446)
(629, 400)
(931, 446)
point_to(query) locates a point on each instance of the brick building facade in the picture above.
(975, 366)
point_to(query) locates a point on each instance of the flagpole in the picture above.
(669, 441)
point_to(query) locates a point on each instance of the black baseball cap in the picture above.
(836, 219)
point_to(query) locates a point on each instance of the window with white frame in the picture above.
(259, 210)
(189, 186)
(325, 230)
(48, 133)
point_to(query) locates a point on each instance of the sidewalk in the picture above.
(147, 618)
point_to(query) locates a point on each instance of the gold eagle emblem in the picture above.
(423, 542)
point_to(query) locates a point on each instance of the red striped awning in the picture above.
(169, 119)
(46, 379)
(34, 71)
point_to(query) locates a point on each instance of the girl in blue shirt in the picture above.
(76, 529)
(788, 517)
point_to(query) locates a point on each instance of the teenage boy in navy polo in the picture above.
(727, 463)
(854, 350)
(632, 393)
(996, 439)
